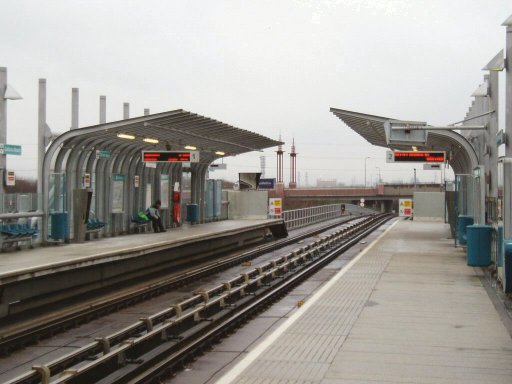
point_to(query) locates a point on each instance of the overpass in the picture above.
(383, 197)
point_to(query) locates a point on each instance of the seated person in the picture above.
(154, 215)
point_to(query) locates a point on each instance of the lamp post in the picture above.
(366, 158)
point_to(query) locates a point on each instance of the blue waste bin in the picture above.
(479, 239)
(508, 266)
(59, 223)
(499, 246)
(193, 213)
(464, 221)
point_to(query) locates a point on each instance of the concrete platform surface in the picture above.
(35, 262)
(406, 310)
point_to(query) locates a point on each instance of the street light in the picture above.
(366, 158)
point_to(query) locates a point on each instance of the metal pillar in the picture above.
(280, 162)
(74, 108)
(103, 109)
(493, 94)
(507, 191)
(41, 148)
(3, 124)
(126, 111)
(507, 166)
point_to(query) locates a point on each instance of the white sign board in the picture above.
(10, 179)
(275, 206)
(405, 207)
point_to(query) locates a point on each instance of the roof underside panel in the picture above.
(173, 130)
(371, 127)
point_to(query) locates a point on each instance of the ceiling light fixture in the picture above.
(150, 140)
(220, 153)
(190, 147)
(125, 136)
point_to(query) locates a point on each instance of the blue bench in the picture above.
(94, 225)
(14, 234)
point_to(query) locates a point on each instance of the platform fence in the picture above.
(297, 218)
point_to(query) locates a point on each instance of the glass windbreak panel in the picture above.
(57, 192)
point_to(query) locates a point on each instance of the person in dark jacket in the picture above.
(154, 215)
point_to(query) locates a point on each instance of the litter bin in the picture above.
(479, 238)
(464, 221)
(508, 266)
(499, 246)
(59, 223)
(193, 213)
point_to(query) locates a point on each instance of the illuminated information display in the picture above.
(170, 156)
(416, 157)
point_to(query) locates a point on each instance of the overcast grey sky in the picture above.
(266, 66)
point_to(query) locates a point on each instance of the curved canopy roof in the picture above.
(171, 130)
(461, 155)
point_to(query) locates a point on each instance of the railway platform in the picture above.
(32, 278)
(405, 309)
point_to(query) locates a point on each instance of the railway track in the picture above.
(18, 335)
(158, 344)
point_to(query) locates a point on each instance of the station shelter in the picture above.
(476, 203)
(98, 172)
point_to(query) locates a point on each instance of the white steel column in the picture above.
(74, 108)
(507, 192)
(41, 148)
(103, 109)
(3, 124)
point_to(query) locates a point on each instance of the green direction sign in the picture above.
(8, 149)
(102, 154)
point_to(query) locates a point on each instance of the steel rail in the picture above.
(39, 329)
(124, 348)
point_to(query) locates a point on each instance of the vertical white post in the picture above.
(126, 111)
(507, 192)
(3, 124)
(41, 150)
(103, 109)
(74, 108)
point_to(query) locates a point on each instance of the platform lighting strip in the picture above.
(220, 153)
(190, 147)
(125, 136)
(150, 140)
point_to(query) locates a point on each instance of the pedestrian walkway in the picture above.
(406, 310)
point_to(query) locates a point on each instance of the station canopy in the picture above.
(173, 131)
(460, 153)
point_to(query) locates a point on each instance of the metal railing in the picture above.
(298, 218)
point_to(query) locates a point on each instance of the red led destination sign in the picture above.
(419, 156)
(165, 156)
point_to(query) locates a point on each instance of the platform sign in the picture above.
(103, 154)
(267, 184)
(170, 156)
(415, 156)
(10, 178)
(9, 149)
(164, 191)
(217, 167)
(87, 180)
(405, 207)
(118, 193)
(431, 167)
(275, 206)
(136, 181)
(501, 137)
